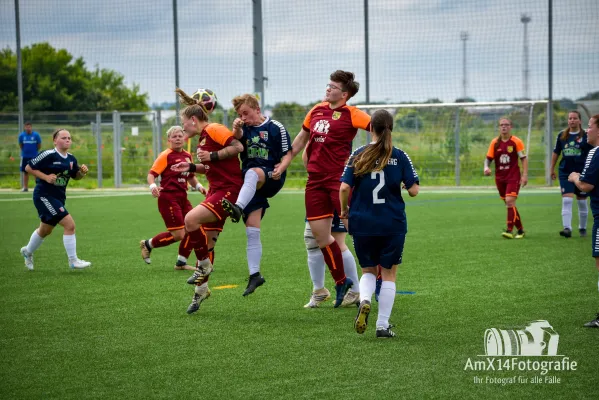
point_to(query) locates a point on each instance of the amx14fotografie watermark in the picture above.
(533, 349)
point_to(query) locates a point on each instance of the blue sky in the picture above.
(415, 47)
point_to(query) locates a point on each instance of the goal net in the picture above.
(448, 142)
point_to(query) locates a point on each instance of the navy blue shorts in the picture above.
(24, 162)
(260, 200)
(569, 187)
(595, 237)
(337, 224)
(385, 251)
(51, 210)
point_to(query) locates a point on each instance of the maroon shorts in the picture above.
(213, 203)
(506, 189)
(322, 197)
(173, 207)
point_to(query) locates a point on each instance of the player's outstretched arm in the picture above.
(299, 142)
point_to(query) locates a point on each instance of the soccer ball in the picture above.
(207, 99)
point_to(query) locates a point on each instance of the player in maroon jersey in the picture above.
(173, 204)
(506, 150)
(217, 151)
(330, 127)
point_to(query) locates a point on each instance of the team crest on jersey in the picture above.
(203, 141)
(510, 149)
(61, 209)
(71, 164)
(264, 135)
(336, 115)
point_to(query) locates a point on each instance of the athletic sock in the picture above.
(316, 266)
(35, 241)
(199, 242)
(254, 249)
(248, 190)
(367, 286)
(334, 260)
(583, 212)
(185, 248)
(70, 245)
(567, 212)
(518, 221)
(349, 266)
(161, 240)
(386, 300)
(510, 218)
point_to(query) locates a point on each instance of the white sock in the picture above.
(386, 300)
(254, 248)
(317, 268)
(248, 190)
(150, 243)
(34, 242)
(567, 212)
(349, 266)
(181, 258)
(367, 286)
(583, 212)
(70, 245)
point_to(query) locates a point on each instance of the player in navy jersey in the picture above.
(264, 160)
(53, 170)
(588, 181)
(375, 174)
(572, 145)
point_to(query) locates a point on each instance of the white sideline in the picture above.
(93, 193)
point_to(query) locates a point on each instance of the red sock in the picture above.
(162, 239)
(518, 221)
(199, 242)
(334, 260)
(511, 216)
(185, 246)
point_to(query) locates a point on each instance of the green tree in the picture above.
(53, 80)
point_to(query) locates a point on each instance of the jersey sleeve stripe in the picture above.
(42, 156)
(284, 135)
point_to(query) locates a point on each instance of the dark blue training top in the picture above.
(376, 205)
(52, 162)
(574, 151)
(264, 145)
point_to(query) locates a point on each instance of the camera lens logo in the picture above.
(538, 338)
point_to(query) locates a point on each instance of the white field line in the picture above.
(89, 194)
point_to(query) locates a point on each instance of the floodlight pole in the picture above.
(259, 77)
(366, 52)
(176, 35)
(464, 39)
(19, 66)
(549, 113)
(525, 19)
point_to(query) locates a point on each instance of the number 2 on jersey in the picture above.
(376, 190)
